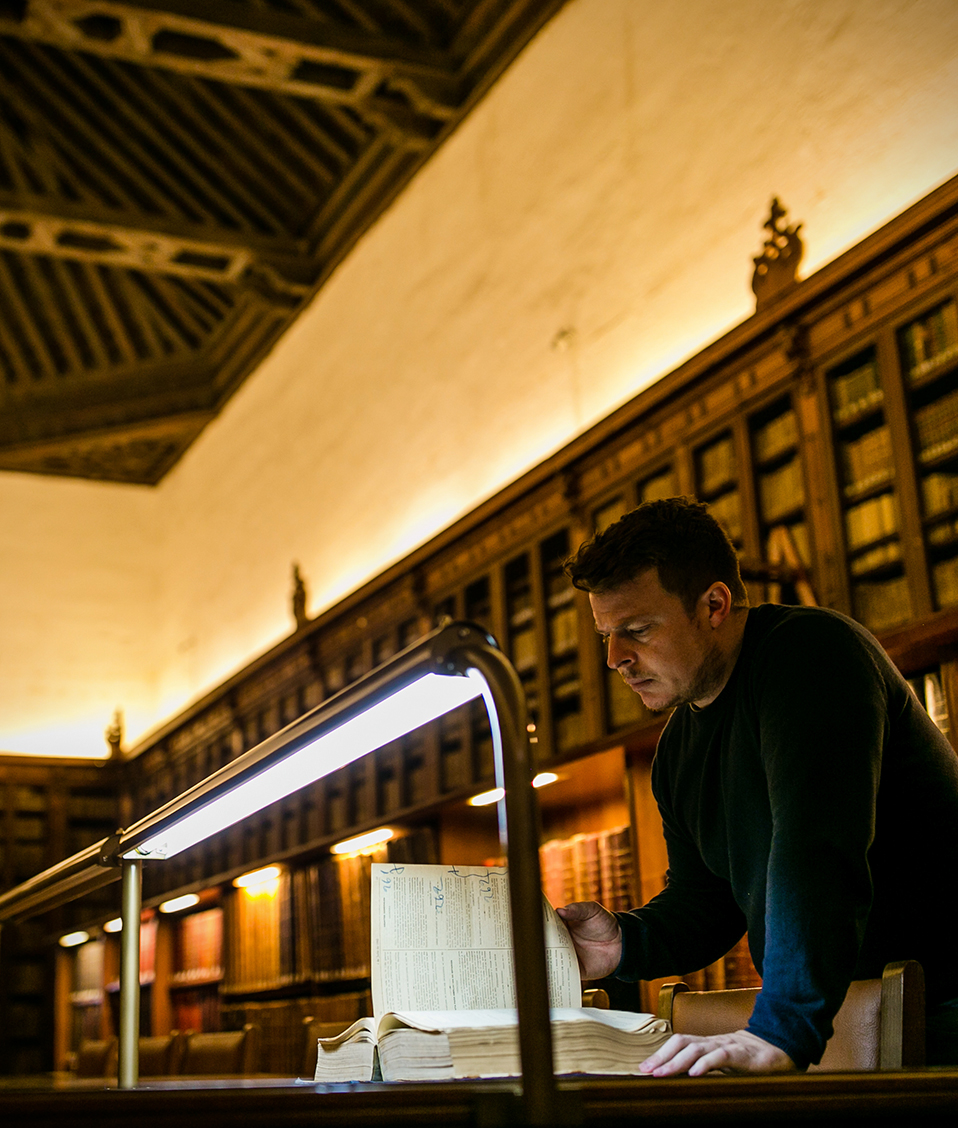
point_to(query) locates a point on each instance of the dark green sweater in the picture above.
(815, 804)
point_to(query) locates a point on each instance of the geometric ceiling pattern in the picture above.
(178, 178)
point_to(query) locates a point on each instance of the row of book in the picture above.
(945, 575)
(197, 1010)
(939, 492)
(781, 491)
(727, 510)
(715, 465)
(882, 603)
(287, 1039)
(874, 559)
(936, 427)
(312, 924)
(776, 437)
(930, 342)
(595, 866)
(871, 520)
(855, 392)
(867, 459)
(198, 947)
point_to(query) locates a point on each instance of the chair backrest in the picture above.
(224, 1053)
(96, 1058)
(881, 1024)
(161, 1055)
(596, 997)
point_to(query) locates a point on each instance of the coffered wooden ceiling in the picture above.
(177, 178)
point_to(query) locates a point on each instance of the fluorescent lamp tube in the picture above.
(393, 716)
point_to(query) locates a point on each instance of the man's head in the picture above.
(677, 537)
(663, 583)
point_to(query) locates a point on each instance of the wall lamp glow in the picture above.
(454, 664)
(114, 925)
(257, 877)
(178, 904)
(485, 798)
(363, 841)
(73, 939)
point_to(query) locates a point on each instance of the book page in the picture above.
(442, 940)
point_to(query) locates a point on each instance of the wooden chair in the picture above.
(881, 1024)
(225, 1053)
(596, 997)
(161, 1055)
(96, 1058)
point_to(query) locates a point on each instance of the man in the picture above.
(806, 797)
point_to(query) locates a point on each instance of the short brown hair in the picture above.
(677, 536)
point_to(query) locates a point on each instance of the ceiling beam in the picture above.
(242, 45)
(271, 267)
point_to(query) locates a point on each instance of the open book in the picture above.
(444, 992)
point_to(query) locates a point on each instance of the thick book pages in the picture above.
(442, 940)
(450, 1045)
(349, 1056)
(444, 990)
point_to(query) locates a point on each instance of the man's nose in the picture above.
(619, 654)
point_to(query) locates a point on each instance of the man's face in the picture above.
(667, 656)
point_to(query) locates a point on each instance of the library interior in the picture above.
(326, 325)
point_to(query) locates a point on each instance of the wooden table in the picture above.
(924, 1096)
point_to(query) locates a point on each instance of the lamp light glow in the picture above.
(405, 709)
(484, 798)
(256, 877)
(114, 925)
(363, 841)
(176, 904)
(72, 939)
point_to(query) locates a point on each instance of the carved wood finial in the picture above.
(114, 735)
(299, 598)
(777, 265)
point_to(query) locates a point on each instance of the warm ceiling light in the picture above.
(73, 938)
(487, 797)
(187, 901)
(115, 925)
(362, 841)
(257, 877)
(544, 778)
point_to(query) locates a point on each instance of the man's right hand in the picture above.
(596, 935)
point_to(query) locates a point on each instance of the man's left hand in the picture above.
(697, 1055)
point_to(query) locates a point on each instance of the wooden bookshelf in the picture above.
(821, 432)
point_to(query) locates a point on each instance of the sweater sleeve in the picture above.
(821, 706)
(690, 924)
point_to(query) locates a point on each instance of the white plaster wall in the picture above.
(589, 226)
(78, 600)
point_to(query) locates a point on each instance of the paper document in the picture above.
(442, 940)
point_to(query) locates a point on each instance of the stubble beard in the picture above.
(708, 679)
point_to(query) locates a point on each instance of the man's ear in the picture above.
(717, 601)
